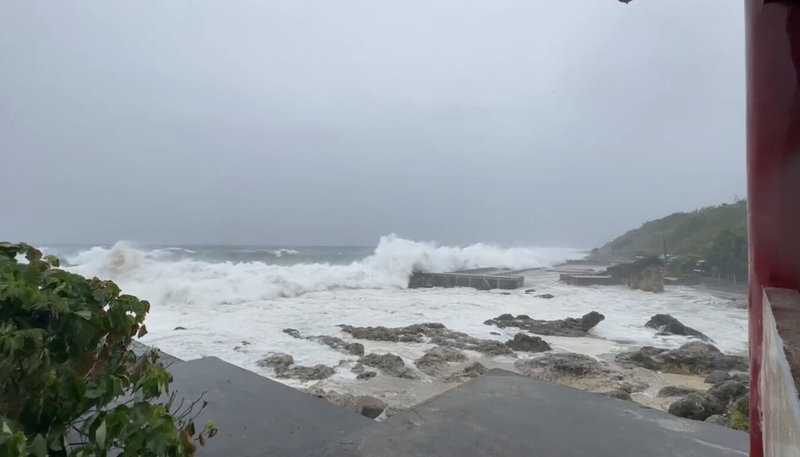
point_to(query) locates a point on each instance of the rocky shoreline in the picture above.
(695, 381)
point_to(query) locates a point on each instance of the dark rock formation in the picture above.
(547, 296)
(692, 358)
(675, 391)
(729, 391)
(179, 328)
(435, 332)
(369, 406)
(330, 341)
(561, 327)
(284, 367)
(619, 394)
(436, 361)
(718, 377)
(469, 372)
(530, 291)
(389, 364)
(527, 343)
(668, 325)
(551, 367)
(366, 375)
(697, 406)
(645, 274)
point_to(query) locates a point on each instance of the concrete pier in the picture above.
(588, 280)
(476, 281)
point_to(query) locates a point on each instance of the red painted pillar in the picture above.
(773, 168)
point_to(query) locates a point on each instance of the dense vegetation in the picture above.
(717, 234)
(69, 385)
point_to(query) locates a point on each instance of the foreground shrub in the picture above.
(69, 385)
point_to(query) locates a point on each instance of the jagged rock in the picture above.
(277, 361)
(694, 357)
(330, 341)
(697, 406)
(561, 327)
(410, 333)
(645, 274)
(304, 373)
(717, 419)
(492, 348)
(527, 343)
(436, 361)
(389, 364)
(668, 325)
(547, 296)
(618, 393)
(437, 333)
(530, 291)
(494, 333)
(741, 376)
(358, 368)
(366, 375)
(675, 391)
(729, 391)
(369, 406)
(284, 367)
(633, 386)
(179, 328)
(471, 371)
(717, 377)
(551, 367)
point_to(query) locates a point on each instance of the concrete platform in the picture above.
(257, 416)
(474, 280)
(588, 280)
(505, 414)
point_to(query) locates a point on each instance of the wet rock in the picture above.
(530, 291)
(729, 391)
(358, 368)
(469, 372)
(561, 327)
(668, 325)
(277, 361)
(436, 361)
(494, 333)
(675, 391)
(547, 296)
(366, 375)
(304, 373)
(697, 406)
(741, 376)
(552, 367)
(717, 377)
(410, 333)
(633, 386)
(389, 364)
(179, 328)
(369, 406)
(527, 343)
(330, 341)
(694, 357)
(717, 419)
(618, 393)
(284, 367)
(491, 347)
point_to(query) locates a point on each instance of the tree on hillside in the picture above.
(728, 253)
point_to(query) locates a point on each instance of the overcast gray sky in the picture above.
(337, 121)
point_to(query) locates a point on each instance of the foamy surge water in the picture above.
(222, 304)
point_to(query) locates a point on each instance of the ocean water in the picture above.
(234, 302)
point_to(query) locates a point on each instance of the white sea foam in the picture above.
(222, 304)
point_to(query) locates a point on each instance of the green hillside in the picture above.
(717, 234)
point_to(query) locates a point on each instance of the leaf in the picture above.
(202, 440)
(84, 314)
(142, 331)
(190, 428)
(100, 434)
(39, 446)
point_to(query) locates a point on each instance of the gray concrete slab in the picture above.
(505, 414)
(257, 416)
